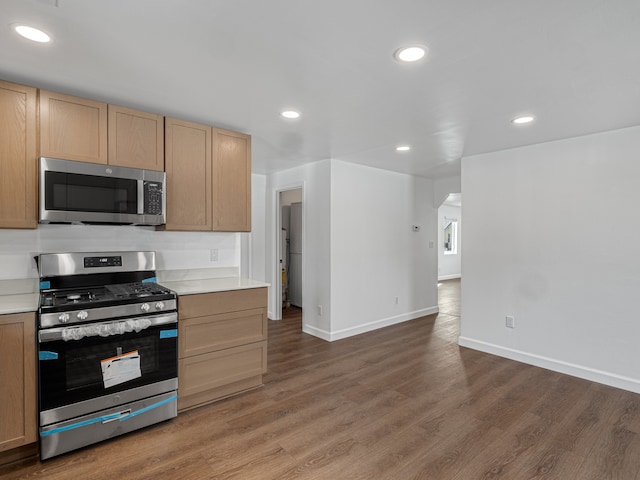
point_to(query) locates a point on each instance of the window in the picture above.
(450, 236)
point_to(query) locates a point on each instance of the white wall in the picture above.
(253, 253)
(538, 246)
(449, 266)
(291, 196)
(442, 187)
(375, 254)
(315, 179)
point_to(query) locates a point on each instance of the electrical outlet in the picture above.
(213, 254)
(396, 300)
(319, 310)
(510, 321)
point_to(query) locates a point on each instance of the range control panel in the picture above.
(90, 262)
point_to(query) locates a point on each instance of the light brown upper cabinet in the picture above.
(188, 167)
(231, 181)
(208, 181)
(18, 176)
(75, 128)
(136, 139)
(72, 128)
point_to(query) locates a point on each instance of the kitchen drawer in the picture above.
(190, 306)
(215, 332)
(210, 371)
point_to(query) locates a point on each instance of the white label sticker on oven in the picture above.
(120, 369)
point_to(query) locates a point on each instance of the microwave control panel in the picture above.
(153, 198)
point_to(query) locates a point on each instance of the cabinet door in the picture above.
(18, 380)
(231, 181)
(136, 139)
(18, 175)
(72, 128)
(188, 167)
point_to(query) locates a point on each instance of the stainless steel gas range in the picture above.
(107, 348)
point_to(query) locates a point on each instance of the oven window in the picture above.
(90, 193)
(83, 363)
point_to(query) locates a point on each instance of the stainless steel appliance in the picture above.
(107, 348)
(79, 192)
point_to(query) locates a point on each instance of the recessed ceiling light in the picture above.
(521, 120)
(411, 53)
(32, 33)
(403, 148)
(290, 114)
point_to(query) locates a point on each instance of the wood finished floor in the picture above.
(404, 402)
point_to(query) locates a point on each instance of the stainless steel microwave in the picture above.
(79, 192)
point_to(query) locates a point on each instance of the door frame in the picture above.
(277, 313)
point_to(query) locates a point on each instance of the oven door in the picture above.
(87, 364)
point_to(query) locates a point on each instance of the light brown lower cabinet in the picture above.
(17, 382)
(222, 345)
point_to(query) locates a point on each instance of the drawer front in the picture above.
(212, 370)
(215, 332)
(200, 305)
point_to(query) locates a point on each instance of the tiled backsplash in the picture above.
(175, 250)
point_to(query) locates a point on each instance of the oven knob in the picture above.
(63, 317)
(159, 305)
(82, 315)
(144, 307)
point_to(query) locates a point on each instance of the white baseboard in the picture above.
(580, 371)
(316, 332)
(367, 327)
(449, 277)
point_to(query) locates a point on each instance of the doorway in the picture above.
(290, 253)
(450, 238)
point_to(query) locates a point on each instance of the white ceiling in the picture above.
(574, 64)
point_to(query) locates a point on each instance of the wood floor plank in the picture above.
(503, 459)
(614, 453)
(552, 463)
(450, 456)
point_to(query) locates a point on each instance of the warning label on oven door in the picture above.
(120, 369)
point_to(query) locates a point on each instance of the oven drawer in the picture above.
(81, 431)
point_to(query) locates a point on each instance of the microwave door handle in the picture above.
(140, 197)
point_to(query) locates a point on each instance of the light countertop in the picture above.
(210, 285)
(19, 303)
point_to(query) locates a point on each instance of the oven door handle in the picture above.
(105, 329)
